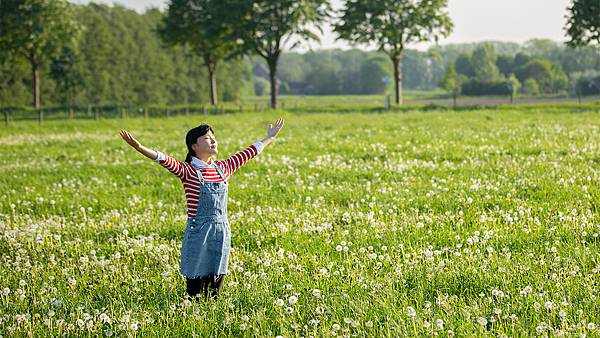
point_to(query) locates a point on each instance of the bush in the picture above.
(588, 86)
(261, 86)
(530, 87)
(479, 88)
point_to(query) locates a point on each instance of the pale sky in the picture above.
(474, 20)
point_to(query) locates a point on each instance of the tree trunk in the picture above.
(35, 73)
(396, 60)
(273, 77)
(212, 81)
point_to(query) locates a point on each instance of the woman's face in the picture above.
(205, 145)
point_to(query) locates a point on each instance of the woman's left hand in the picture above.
(274, 129)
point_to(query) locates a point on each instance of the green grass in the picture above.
(484, 222)
(340, 100)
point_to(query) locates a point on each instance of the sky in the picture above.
(474, 21)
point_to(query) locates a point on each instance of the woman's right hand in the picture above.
(130, 139)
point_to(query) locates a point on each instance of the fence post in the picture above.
(202, 109)
(241, 108)
(282, 105)
(187, 110)
(167, 112)
(6, 117)
(40, 116)
(97, 114)
(70, 113)
(89, 110)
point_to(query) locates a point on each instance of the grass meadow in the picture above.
(479, 223)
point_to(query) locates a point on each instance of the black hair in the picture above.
(192, 136)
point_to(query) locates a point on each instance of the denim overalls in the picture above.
(207, 237)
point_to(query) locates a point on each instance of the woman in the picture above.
(207, 237)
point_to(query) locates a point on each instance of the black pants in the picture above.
(210, 284)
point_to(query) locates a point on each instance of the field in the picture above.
(412, 100)
(438, 223)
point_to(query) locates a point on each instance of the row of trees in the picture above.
(110, 53)
(484, 73)
(116, 58)
(219, 29)
(356, 71)
(216, 30)
(331, 72)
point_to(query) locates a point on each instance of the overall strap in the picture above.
(199, 174)
(220, 172)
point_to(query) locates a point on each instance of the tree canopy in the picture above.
(36, 30)
(392, 25)
(199, 24)
(583, 24)
(265, 27)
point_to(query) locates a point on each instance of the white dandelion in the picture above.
(410, 312)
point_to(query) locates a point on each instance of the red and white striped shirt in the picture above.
(188, 176)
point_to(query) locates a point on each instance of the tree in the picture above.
(14, 90)
(515, 85)
(520, 59)
(505, 64)
(559, 80)
(66, 75)
(372, 74)
(393, 24)
(324, 79)
(549, 76)
(538, 69)
(36, 30)
(199, 24)
(583, 24)
(484, 63)
(464, 66)
(452, 82)
(265, 27)
(580, 59)
(530, 87)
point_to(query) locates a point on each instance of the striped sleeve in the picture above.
(172, 164)
(237, 160)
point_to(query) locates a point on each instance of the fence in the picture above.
(295, 104)
(91, 112)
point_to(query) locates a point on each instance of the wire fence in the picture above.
(308, 104)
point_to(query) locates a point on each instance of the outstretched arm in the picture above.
(168, 162)
(238, 159)
(273, 131)
(135, 144)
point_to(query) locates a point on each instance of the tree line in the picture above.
(208, 50)
(118, 59)
(556, 68)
